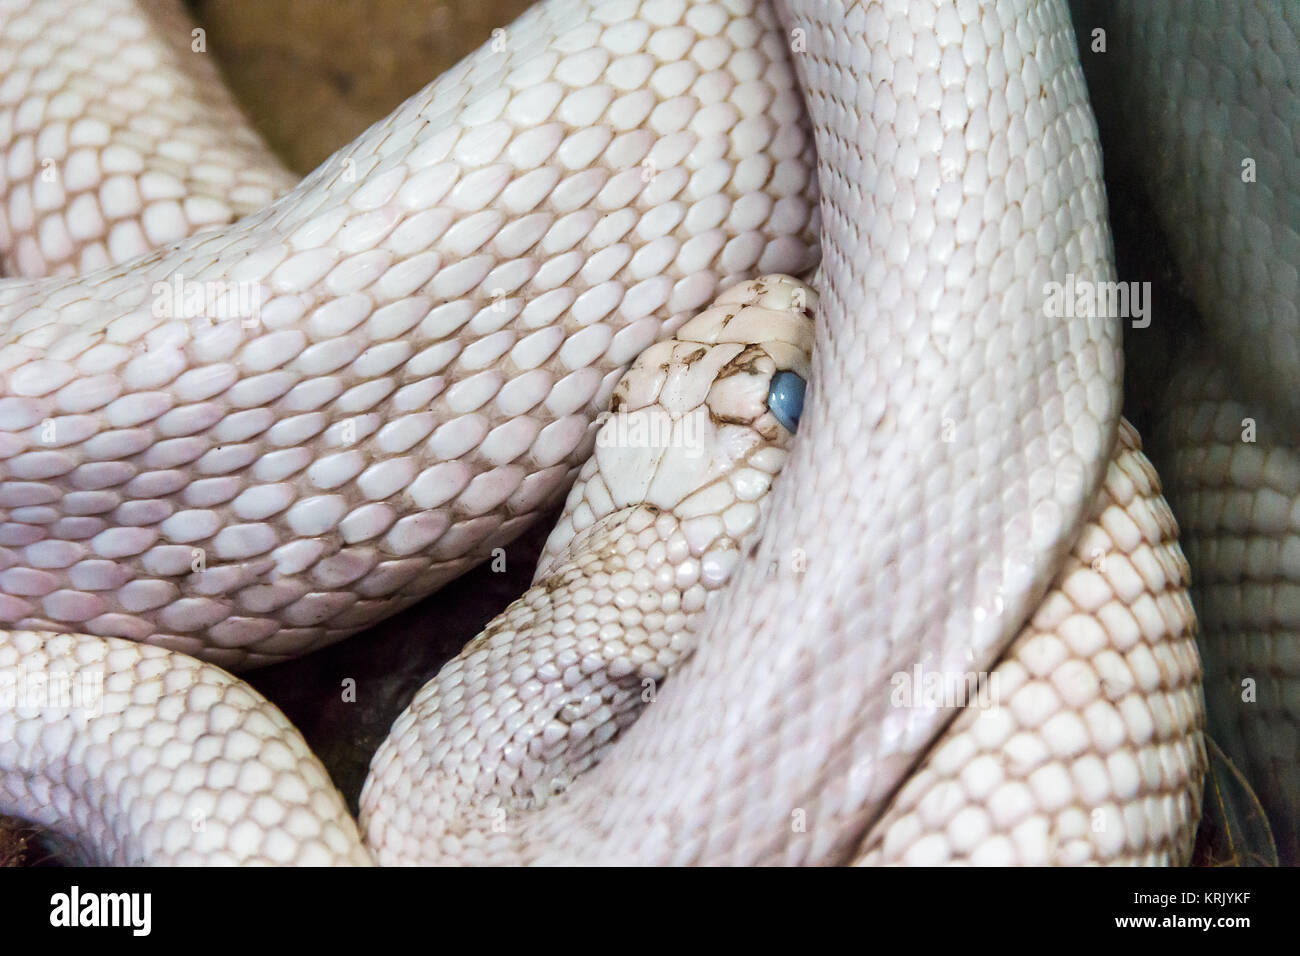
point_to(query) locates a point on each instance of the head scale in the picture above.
(700, 424)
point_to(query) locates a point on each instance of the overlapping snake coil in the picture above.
(392, 368)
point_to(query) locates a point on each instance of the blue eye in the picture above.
(785, 399)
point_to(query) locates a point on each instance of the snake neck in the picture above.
(586, 650)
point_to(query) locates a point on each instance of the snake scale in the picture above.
(439, 315)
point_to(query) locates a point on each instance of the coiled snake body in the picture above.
(410, 353)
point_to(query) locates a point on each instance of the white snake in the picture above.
(445, 305)
(1214, 143)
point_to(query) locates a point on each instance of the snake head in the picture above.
(762, 385)
(700, 424)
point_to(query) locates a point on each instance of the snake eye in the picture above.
(785, 399)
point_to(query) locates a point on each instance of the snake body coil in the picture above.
(441, 312)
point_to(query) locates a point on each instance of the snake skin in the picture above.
(1212, 141)
(953, 443)
(1089, 747)
(135, 754)
(440, 311)
(118, 139)
(1237, 481)
(650, 531)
